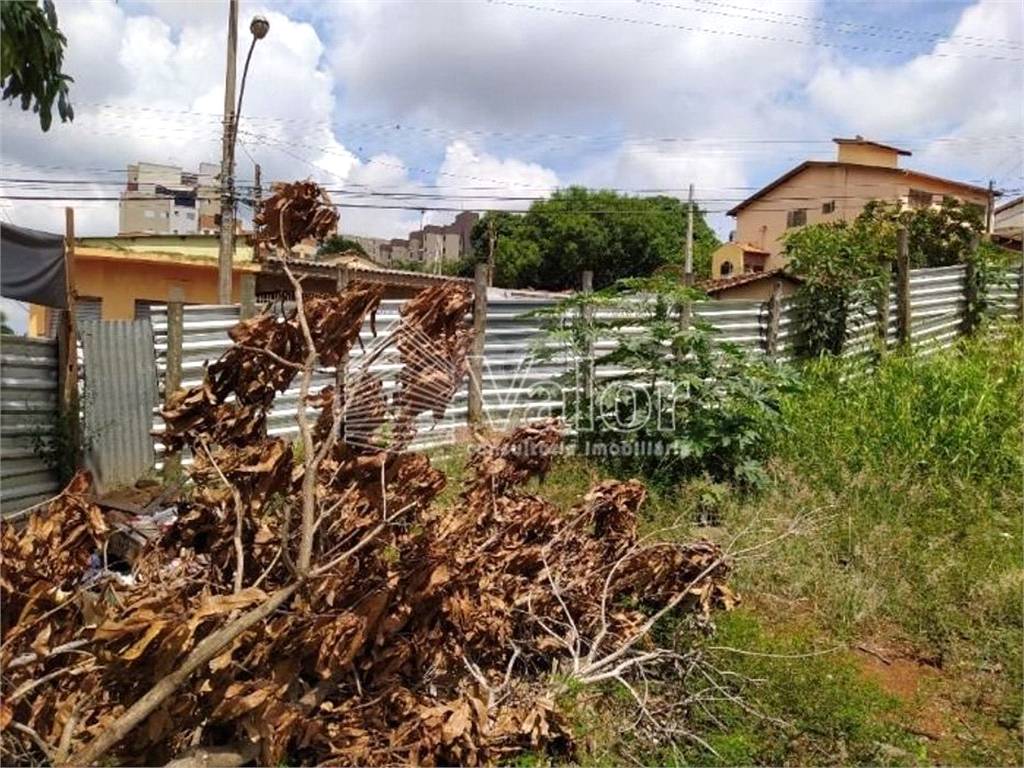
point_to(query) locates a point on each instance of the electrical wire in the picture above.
(841, 27)
(734, 33)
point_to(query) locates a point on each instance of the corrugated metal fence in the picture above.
(28, 413)
(119, 374)
(124, 367)
(516, 385)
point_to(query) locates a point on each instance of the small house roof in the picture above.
(711, 287)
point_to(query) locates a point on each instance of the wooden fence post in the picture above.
(1020, 294)
(587, 316)
(903, 285)
(774, 313)
(970, 319)
(67, 345)
(342, 279)
(247, 287)
(476, 358)
(172, 374)
(883, 304)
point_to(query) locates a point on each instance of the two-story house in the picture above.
(820, 191)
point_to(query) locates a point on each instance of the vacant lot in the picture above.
(885, 626)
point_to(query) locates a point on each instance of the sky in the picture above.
(411, 111)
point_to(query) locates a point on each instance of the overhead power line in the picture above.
(732, 33)
(841, 27)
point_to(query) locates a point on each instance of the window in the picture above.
(190, 216)
(149, 214)
(726, 268)
(919, 198)
(829, 207)
(796, 218)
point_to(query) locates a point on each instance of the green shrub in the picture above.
(669, 402)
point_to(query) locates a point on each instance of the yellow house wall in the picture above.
(763, 222)
(190, 246)
(119, 283)
(726, 252)
(865, 154)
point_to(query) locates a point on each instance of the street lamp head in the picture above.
(259, 27)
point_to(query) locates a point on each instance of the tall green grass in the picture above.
(913, 477)
(956, 413)
(915, 474)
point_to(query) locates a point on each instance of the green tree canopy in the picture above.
(938, 236)
(341, 244)
(31, 56)
(5, 329)
(842, 263)
(576, 229)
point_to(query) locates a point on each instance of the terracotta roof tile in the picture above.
(712, 287)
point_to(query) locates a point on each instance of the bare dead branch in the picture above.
(28, 658)
(237, 497)
(31, 733)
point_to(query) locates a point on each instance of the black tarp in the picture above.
(32, 266)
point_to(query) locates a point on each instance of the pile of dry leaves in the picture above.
(410, 633)
(294, 212)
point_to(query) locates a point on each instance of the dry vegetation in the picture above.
(326, 610)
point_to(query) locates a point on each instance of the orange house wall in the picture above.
(120, 283)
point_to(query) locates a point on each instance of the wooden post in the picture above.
(67, 340)
(476, 358)
(587, 317)
(903, 285)
(774, 312)
(247, 287)
(1020, 294)
(172, 374)
(971, 318)
(342, 279)
(883, 304)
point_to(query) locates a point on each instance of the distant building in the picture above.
(821, 191)
(431, 245)
(164, 200)
(1008, 224)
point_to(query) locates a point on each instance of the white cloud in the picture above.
(470, 177)
(524, 100)
(954, 91)
(151, 88)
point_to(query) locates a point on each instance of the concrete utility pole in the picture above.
(227, 165)
(491, 238)
(991, 208)
(689, 240)
(257, 192)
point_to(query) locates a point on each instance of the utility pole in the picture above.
(689, 239)
(257, 193)
(257, 201)
(990, 210)
(227, 165)
(491, 237)
(685, 311)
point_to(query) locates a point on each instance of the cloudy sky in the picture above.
(414, 110)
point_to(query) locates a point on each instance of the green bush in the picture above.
(669, 402)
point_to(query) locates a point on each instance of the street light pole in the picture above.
(227, 165)
(259, 28)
